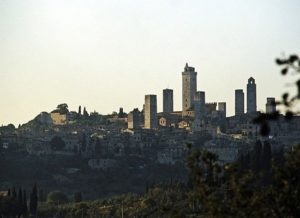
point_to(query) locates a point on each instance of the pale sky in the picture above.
(109, 54)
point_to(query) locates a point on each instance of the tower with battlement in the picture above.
(251, 95)
(189, 87)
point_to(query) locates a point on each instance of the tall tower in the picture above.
(200, 99)
(222, 108)
(239, 102)
(150, 112)
(134, 119)
(251, 95)
(189, 87)
(271, 106)
(167, 100)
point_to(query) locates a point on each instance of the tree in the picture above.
(79, 110)
(85, 113)
(14, 193)
(20, 202)
(57, 197)
(77, 197)
(33, 200)
(25, 208)
(63, 108)
(57, 143)
(267, 188)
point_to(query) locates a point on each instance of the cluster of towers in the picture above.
(193, 102)
(251, 98)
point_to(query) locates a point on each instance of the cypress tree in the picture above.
(85, 113)
(33, 200)
(14, 193)
(20, 203)
(79, 110)
(20, 196)
(8, 192)
(25, 208)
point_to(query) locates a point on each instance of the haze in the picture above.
(109, 54)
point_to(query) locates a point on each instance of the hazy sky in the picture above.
(109, 54)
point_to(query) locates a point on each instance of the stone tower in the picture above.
(239, 102)
(134, 119)
(150, 112)
(222, 108)
(189, 87)
(251, 95)
(271, 106)
(199, 99)
(167, 100)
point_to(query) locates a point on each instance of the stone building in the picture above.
(239, 102)
(222, 109)
(200, 97)
(150, 112)
(134, 119)
(210, 108)
(58, 119)
(270, 105)
(251, 95)
(168, 100)
(189, 87)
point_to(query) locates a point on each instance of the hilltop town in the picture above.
(104, 155)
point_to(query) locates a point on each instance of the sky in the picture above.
(109, 54)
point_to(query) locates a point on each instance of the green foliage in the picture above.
(57, 197)
(62, 108)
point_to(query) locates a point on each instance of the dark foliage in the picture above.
(57, 143)
(33, 200)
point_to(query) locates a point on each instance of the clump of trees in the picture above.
(57, 197)
(62, 108)
(258, 187)
(15, 204)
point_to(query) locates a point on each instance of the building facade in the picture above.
(150, 112)
(189, 87)
(270, 106)
(134, 119)
(251, 95)
(222, 108)
(239, 102)
(168, 101)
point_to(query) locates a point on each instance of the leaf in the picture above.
(281, 61)
(285, 96)
(293, 58)
(284, 71)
